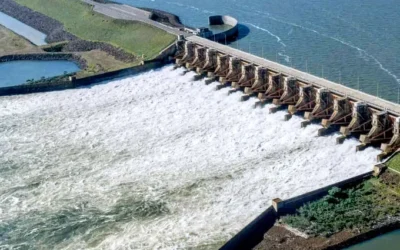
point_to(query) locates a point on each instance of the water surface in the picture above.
(356, 43)
(153, 161)
(389, 241)
(31, 34)
(18, 72)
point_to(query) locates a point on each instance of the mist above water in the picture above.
(153, 161)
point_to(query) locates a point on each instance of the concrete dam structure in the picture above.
(375, 121)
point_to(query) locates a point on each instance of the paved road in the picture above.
(373, 101)
(126, 12)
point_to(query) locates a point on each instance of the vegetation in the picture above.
(394, 163)
(11, 42)
(370, 203)
(99, 61)
(79, 19)
(49, 80)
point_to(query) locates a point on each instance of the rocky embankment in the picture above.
(46, 57)
(55, 31)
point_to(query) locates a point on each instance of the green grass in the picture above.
(356, 209)
(11, 43)
(394, 163)
(79, 19)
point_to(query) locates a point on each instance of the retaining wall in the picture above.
(254, 232)
(45, 57)
(229, 34)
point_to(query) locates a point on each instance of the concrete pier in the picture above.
(210, 64)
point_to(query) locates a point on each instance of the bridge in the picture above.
(352, 112)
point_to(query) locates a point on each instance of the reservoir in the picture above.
(18, 72)
(31, 34)
(343, 41)
(389, 241)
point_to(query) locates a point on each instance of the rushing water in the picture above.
(154, 161)
(31, 34)
(389, 241)
(18, 72)
(356, 43)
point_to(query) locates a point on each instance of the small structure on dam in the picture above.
(374, 120)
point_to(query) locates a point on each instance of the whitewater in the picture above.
(152, 161)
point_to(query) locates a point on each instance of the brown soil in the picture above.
(279, 238)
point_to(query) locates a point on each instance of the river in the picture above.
(356, 42)
(153, 161)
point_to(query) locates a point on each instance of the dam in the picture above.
(352, 112)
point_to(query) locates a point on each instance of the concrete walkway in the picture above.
(126, 12)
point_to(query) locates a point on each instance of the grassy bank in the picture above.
(357, 209)
(79, 19)
(394, 163)
(12, 43)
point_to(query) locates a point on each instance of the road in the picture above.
(126, 12)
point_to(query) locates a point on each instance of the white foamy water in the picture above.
(154, 161)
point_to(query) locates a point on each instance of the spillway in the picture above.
(153, 161)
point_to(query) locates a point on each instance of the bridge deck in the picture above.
(339, 89)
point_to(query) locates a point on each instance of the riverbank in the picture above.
(342, 218)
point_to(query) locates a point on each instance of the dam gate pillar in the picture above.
(199, 58)
(210, 64)
(222, 67)
(188, 54)
(360, 121)
(341, 115)
(290, 94)
(306, 101)
(394, 143)
(381, 130)
(274, 90)
(260, 81)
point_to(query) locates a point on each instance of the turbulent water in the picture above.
(356, 43)
(154, 161)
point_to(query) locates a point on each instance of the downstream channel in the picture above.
(153, 161)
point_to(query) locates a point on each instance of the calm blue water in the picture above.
(35, 36)
(17, 72)
(340, 40)
(389, 241)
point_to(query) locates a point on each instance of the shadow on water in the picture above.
(80, 221)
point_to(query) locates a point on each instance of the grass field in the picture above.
(99, 61)
(11, 43)
(395, 163)
(79, 19)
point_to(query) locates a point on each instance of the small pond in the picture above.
(18, 72)
(389, 241)
(31, 34)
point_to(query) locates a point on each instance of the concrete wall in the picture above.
(254, 232)
(230, 33)
(35, 88)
